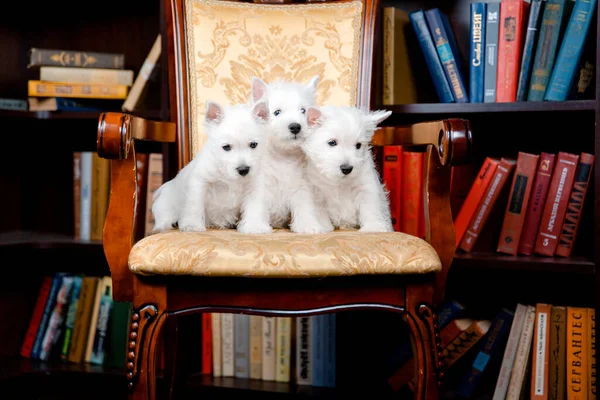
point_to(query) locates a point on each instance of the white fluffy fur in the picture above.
(356, 199)
(207, 193)
(280, 195)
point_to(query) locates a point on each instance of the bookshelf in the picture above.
(37, 226)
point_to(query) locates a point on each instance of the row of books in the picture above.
(281, 349)
(76, 320)
(518, 51)
(76, 80)
(544, 206)
(536, 351)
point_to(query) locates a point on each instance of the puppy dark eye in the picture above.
(226, 147)
(253, 145)
(303, 111)
(332, 143)
(358, 145)
(276, 112)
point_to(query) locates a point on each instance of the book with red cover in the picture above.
(392, 179)
(501, 176)
(533, 216)
(513, 24)
(570, 226)
(480, 184)
(556, 204)
(518, 199)
(36, 316)
(412, 193)
(207, 343)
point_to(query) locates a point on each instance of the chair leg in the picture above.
(172, 357)
(146, 324)
(426, 347)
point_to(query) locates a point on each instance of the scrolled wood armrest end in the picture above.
(455, 142)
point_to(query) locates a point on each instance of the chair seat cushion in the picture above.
(282, 254)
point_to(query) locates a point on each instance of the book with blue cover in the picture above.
(477, 51)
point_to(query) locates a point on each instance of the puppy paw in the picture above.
(375, 228)
(309, 228)
(189, 226)
(254, 228)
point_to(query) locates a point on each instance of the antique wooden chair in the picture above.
(214, 48)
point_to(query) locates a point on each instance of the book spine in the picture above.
(443, 38)
(575, 205)
(77, 90)
(317, 350)
(388, 55)
(591, 359)
(412, 193)
(510, 351)
(69, 58)
(492, 30)
(256, 347)
(55, 323)
(510, 41)
(557, 369)
(76, 194)
(99, 347)
(13, 104)
(392, 179)
(484, 209)
(545, 54)
(584, 84)
(207, 343)
(70, 319)
(85, 196)
(330, 350)
(228, 339)
(522, 356)
(577, 352)
(217, 359)
(50, 302)
(531, 36)
(541, 352)
(99, 76)
(304, 359)
(268, 348)
(283, 348)
(556, 205)
(539, 192)
(570, 51)
(438, 76)
(36, 316)
(469, 207)
(477, 51)
(242, 345)
(520, 192)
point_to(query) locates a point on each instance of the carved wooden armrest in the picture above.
(448, 142)
(115, 141)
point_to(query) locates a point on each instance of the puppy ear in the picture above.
(314, 81)
(261, 110)
(377, 117)
(214, 112)
(258, 89)
(314, 116)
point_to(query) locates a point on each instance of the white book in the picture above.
(268, 348)
(522, 357)
(283, 347)
(216, 344)
(85, 196)
(304, 360)
(227, 338)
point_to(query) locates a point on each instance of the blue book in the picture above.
(492, 31)
(442, 87)
(491, 345)
(448, 52)
(570, 51)
(531, 36)
(477, 51)
(50, 303)
(330, 353)
(318, 350)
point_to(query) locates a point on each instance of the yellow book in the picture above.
(577, 353)
(592, 353)
(76, 90)
(283, 348)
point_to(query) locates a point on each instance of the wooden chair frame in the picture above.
(157, 299)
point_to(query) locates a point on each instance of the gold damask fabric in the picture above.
(282, 254)
(230, 42)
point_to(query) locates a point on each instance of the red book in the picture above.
(556, 205)
(207, 343)
(518, 199)
(537, 201)
(513, 25)
(36, 317)
(392, 179)
(490, 197)
(412, 193)
(570, 226)
(480, 184)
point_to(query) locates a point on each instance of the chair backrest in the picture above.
(216, 46)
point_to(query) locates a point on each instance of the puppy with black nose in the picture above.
(341, 171)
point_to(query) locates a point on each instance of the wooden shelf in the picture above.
(40, 240)
(14, 367)
(55, 115)
(578, 265)
(470, 108)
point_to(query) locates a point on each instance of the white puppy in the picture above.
(207, 193)
(281, 195)
(341, 170)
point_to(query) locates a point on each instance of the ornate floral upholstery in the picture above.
(229, 42)
(282, 254)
